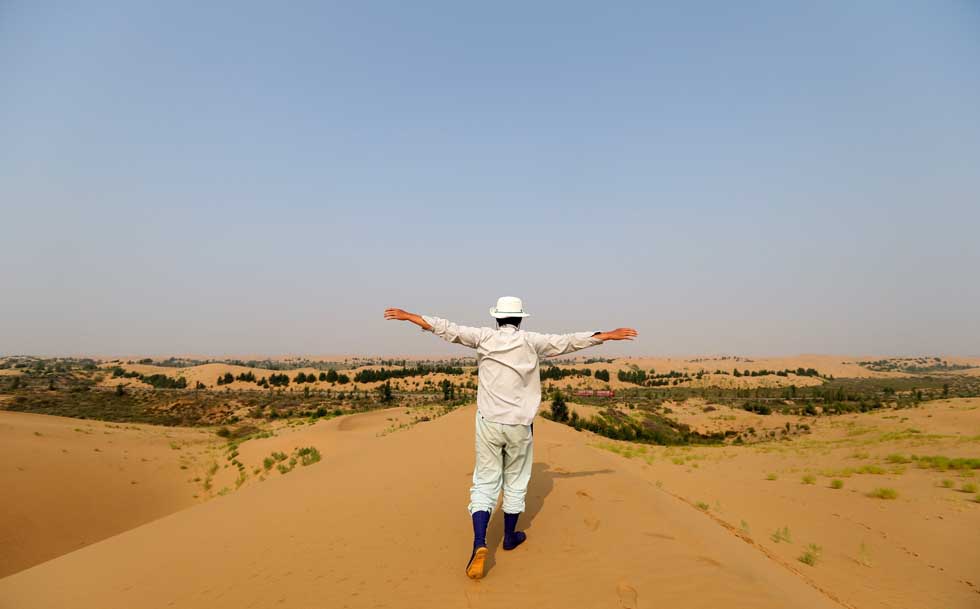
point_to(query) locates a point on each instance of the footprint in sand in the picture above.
(627, 596)
(592, 523)
(583, 493)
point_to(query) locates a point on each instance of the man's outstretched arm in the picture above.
(443, 328)
(553, 345)
(399, 315)
(617, 334)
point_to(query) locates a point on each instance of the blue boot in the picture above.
(512, 538)
(474, 568)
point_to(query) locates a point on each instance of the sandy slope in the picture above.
(68, 482)
(919, 550)
(381, 522)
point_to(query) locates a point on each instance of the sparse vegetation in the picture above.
(837, 484)
(809, 479)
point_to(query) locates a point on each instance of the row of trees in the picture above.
(162, 381)
(786, 372)
(635, 376)
(370, 375)
(556, 374)
(282, 379)
(157, 381)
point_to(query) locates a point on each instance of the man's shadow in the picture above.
(542, 482)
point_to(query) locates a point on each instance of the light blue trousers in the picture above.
(504, 454)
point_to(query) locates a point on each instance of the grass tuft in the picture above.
(883, 493)
(811, 555)
(772, 477)
(809, 479)
(837, 484)
(782, 534)
(864, 555)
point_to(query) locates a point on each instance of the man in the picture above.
(507, 400)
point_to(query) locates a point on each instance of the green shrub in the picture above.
(809, 479)
(968, 487)
(947, 483)
(772, 477)
(837, 483)
(559, 410)
(308, 455)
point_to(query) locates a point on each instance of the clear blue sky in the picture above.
(232, 177)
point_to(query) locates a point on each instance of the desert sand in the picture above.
(68, 482)
(381, 521)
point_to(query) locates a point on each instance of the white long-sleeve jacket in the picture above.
(507, 360)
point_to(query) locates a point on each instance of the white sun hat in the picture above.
(508, 306)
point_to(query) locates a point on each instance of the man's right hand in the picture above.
(401, 315)
(617, 334)
(398, 314)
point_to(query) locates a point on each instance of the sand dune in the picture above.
(68, 482)
(385, 525)
(381, 521)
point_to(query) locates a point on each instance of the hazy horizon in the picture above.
(247, 178)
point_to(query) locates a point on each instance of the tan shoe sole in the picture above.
(474, 570)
